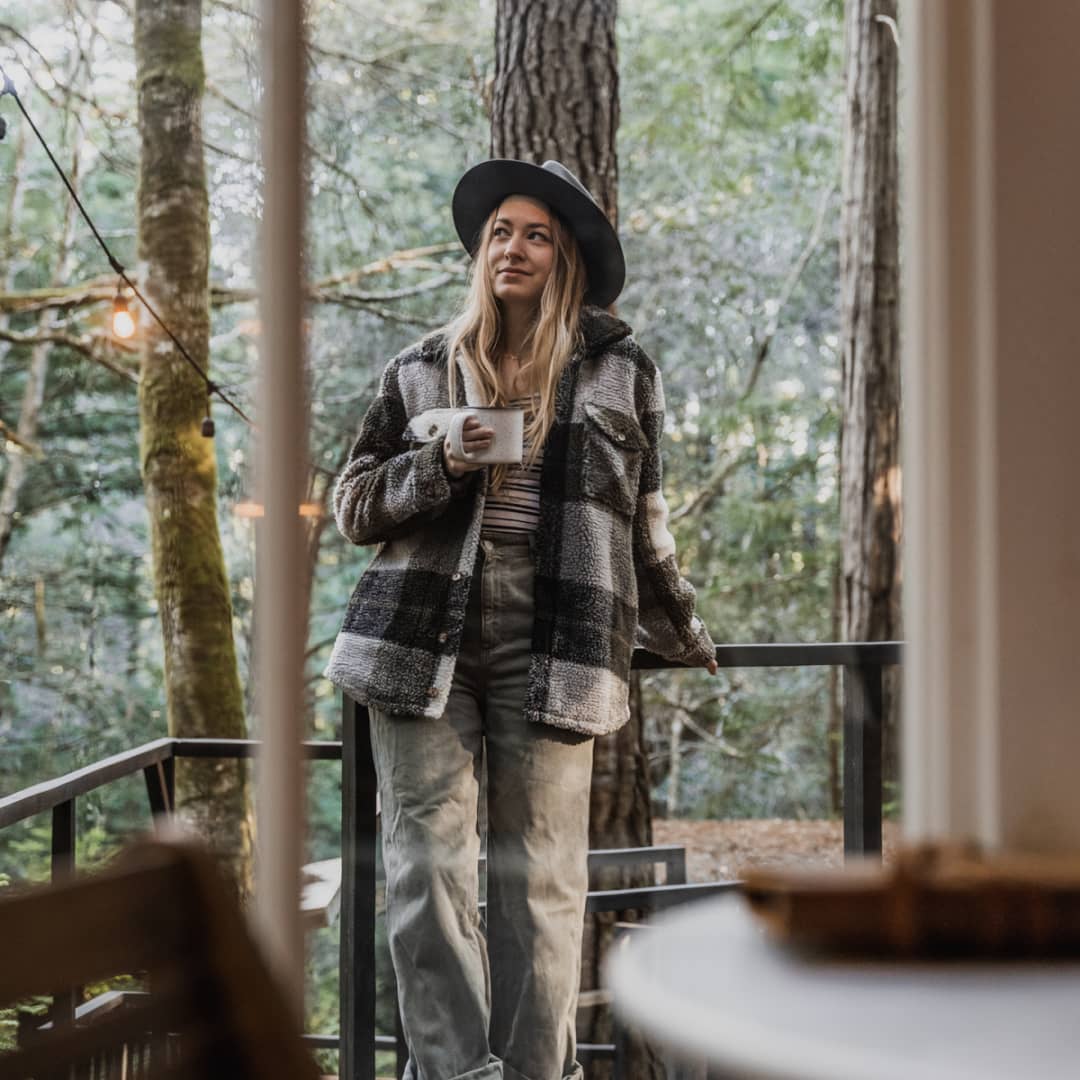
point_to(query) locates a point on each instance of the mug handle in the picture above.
(454, 433)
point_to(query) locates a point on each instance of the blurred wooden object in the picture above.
(936, 901)
(320, 893)
(160, 912)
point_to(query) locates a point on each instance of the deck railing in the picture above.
(862, 664)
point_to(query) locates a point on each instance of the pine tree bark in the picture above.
(202, 684)
(556, 91)
(556, 95)
(869, 271)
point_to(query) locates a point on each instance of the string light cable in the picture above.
(212, 388)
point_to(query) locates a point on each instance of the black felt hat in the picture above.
(485, 185)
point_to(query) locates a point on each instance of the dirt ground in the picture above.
(716, 850)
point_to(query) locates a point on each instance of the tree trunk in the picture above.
(556, 92)
(675, 769)
(556, 95)
(14, 196)
(34, 391)
(203, 693)
(869, 269)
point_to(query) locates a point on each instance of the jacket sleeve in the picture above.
(385, 491)
(667, 624)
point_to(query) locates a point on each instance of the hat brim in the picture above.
(485, 185)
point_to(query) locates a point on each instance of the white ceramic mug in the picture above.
(506, 447)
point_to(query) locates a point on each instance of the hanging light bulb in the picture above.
(123, 324)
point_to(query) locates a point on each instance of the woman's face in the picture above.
(521, 251)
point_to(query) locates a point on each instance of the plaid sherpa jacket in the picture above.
(606, 575)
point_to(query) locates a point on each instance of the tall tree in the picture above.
(203, 692)
(13, 204)
(870, 506)
(556, 95)
(38, 369)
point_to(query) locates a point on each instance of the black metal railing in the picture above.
(862, 664)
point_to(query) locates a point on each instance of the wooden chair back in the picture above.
(161, 912)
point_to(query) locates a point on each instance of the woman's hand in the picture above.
(474, 437)
(710, 667)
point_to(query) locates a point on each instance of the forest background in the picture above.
(729, 148)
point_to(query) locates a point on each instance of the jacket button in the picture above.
(456, 575)
(433, 691)
(620, 436)
(433, 429)
(443, 635)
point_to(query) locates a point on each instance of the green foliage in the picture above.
(729, 164)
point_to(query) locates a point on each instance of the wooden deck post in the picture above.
(862, 759)
(280, 554)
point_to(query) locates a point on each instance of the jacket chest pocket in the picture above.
(611, 457)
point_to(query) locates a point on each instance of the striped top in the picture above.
(515, 507)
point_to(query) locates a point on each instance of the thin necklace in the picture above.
(508, 355)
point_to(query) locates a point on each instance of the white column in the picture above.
(992, 399)
(282, 451)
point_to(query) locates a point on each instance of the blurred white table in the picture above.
(705, 982)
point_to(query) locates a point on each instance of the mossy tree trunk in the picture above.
(556, 95)
(203, 691)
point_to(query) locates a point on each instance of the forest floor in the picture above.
(716, 850)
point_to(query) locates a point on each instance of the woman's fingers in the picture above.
(478, 438)
(474, 438)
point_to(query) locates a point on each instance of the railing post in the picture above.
(862, 759)
(168, 767)
(358, 787)
(63, 864)
(159, 787)
(675, 868)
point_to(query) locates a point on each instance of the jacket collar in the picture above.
(599, 328)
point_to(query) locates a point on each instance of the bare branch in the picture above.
(395, 294)
(712, 488)
(103, 288)
(401, 317)
(717, 742)
(789, 287)
(215, 149)
(382, 59)
(10, 435)
(61, 81)
(399, 260)
(90, 346)
(748, 33)
(59, 297)
(234, 9)
(312, 151)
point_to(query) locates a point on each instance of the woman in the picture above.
(499, 615)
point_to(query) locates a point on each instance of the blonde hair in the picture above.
(474, 332)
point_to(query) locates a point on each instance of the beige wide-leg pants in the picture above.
(504, 1006)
